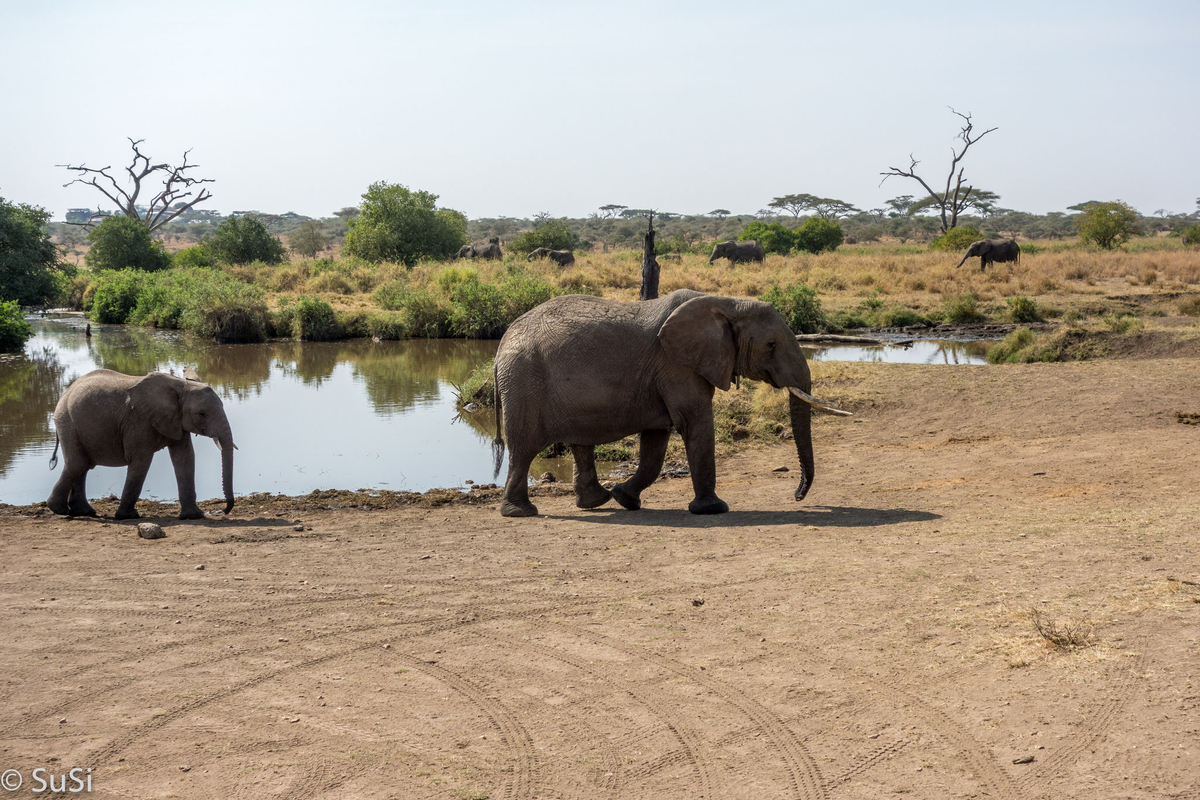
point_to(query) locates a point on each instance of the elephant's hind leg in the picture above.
(515, 502)
(588, 491)
(650, 460)
(79, 505)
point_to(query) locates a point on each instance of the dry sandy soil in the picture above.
(876, 640)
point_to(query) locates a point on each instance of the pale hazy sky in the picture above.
(512, 108)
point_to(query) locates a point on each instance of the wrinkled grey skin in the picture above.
(564, 258)
(738, 251)
(112, 420)
(992, 251)
(489, 250)
(585, 371)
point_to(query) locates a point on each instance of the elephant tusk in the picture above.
(822, 406)
(217, 442)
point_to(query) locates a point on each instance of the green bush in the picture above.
(775, 237)
(523, 292)
(121, 242)
(962, 309)
(477, 310)
(1023, 309)
(555, 234)
(390, 296)
(387, 326)
(397, 224)
(1011, 349)
(799, 306)
(14, 330)
(240, 240)
(425, 315)
(818, 235)
(116, 294)
(313, 320)
(206, 302)
(1108, 225)
(676, 244)
(1190, 307)
(1190, 235)
(1123, 323)
(29, 265)
(1029, 248)
(195, 256)
(959, 238)
(450, 277)
(898, 317)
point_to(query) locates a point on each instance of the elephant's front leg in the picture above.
(650, 460)
(135, 476)
(588, 491)
(183, 458)
(699, 441)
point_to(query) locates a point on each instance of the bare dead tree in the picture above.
(650, 267)
(950, 201)
(163, 207)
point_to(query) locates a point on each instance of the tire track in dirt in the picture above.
(941, 725)
(435, 624)
(803, 772)
(870, 760)
(689, 745)
(524, 781)
(1094, 729)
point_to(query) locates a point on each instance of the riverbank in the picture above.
(876, 639)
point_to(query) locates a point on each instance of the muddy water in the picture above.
(305, 416)
(927, 351)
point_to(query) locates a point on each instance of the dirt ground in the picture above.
(875, 640)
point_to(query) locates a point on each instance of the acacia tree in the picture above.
(823, 207)
(173, 199)
(955, 197)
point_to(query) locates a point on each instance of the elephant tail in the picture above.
(54, 457)
(498, 442)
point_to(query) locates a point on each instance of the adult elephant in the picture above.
(738, 251)
(486, 250)
(991, 251)
(112, 420)
(564, 258)
(585, 371)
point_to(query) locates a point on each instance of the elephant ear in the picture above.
(156, 399)
(699, 335)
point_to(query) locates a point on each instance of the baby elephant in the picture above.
(112, 420)
(564, 258)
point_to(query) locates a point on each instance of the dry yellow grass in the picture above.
(1060, 280)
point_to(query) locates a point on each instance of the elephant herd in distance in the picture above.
(989, 251)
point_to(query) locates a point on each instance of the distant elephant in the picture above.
(992, 251)
(112, 420)
(585, 371)
(738, 251)
(564, 258)
(488, 250)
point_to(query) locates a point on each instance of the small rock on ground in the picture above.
(150, 530)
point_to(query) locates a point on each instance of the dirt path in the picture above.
(875, 640)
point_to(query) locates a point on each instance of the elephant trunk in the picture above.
(964, 260)
(801, 413)
(224, 440)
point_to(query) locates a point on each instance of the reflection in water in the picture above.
(337, 415)
(355, 414)
(931, 351)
